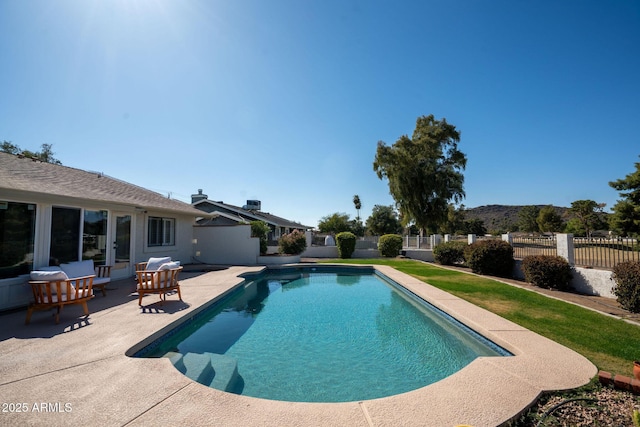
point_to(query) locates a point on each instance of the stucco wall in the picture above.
(181, 251)
(226, 245)
(593, 282)
(586, 281)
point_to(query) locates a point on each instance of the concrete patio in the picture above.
(76, 373)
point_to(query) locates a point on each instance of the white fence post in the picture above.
(508, 238)
(471, 238)
(447, 238)
(565, 247)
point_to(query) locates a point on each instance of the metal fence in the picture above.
(604, 252)
(527, 246)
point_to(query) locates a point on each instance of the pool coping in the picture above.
(83, 363)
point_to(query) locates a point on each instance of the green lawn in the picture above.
(611, 344)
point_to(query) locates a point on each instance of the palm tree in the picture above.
(358, 205)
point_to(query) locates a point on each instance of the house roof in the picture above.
(33, 176)
(252, 215)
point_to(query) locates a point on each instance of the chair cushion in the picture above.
(48, 276)
(50, 268)
(169, 265)
(154, 263)
(157, 284)
(101, 280)
(52, 277)
(79, 268)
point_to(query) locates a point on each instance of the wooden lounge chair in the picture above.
(53, 289)
(161, 281)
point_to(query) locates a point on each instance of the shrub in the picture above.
(390, 245)
(346, 242)
(627, 288)
(547, 271)
(261, 230)
(293, 243)
(449, 253)
(491, 257)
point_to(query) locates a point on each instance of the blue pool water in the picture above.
(297, 335)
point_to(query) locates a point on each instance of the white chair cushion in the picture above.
(53, 278)
(84, 293)
(101, 280)
(48, 276)
(170, 265)
(79, 268)
(154, 263)
(50, 268)
(150, 285)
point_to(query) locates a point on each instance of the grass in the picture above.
(611, 344)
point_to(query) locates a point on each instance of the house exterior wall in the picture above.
(227, 245)
(182, 250)
(15, 292)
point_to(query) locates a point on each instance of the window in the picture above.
(17, 234)
(94, 236)
(65, 235)
(67, 225)
(161, 231)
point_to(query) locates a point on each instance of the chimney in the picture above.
(197, 197)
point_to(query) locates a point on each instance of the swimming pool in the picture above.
(315, 334)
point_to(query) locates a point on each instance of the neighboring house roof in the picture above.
(239, 214)
(33, 176)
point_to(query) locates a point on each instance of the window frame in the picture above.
(161, 231)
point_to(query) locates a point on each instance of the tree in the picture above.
(589, 214)
(334, 223)
(8, 147)
(454, 224)
(626, 212)
(549, 221)
(424, 172)
(356, 225)
(358, 205)
(383, 220)
(261, 230)
(528, 219)
(45, 155)
(625, 219)
(474, 226)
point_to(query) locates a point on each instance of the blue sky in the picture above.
(284, 101)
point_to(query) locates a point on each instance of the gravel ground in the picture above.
(590, 406)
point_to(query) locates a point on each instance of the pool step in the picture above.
(213, 370)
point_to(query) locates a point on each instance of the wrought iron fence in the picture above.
(538, 245)
(604, 252)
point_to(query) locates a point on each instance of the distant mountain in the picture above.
(502, 218)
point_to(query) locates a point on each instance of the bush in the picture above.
(346, 242)
(261, 230)
(449, 253)
(547, 271)
(627, 287)
(293, 243)
(491, 257)
(390, 245)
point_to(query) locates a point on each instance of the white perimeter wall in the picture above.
(226, 245)
(587, 281)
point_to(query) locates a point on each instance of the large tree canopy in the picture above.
(424, 172)
(626, 212)
(383, 220)
(334, 223)
(589, 215)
